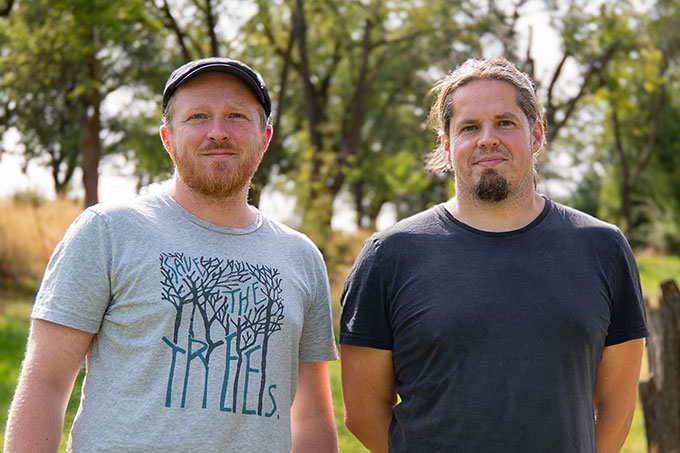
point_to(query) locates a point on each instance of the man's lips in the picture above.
(490, 161)
(220, 153)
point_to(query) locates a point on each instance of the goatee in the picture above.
(492, 186)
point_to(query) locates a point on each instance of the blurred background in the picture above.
(80, 94)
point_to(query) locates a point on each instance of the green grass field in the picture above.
(656, 268)
(14, 323)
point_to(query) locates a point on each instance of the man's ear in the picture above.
(269, 132)
(165, 138)
(446, 145)
(537, 134)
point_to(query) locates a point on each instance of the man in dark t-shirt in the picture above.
(504, 321)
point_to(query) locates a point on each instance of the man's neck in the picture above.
(233, 211)
(507, 215)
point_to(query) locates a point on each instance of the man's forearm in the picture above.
(311, 435)
(371, 428)
(611, 430)
(36, 419)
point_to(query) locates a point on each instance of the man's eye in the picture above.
(237, 115)
(506, 123)
(468, 128)
(198, 116)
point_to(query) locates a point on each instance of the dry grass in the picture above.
(28, 235)
(339, 253)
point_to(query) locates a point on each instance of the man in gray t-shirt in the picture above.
(206, 326)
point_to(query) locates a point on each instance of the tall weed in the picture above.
(28, 234)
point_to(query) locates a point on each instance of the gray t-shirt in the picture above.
(199, 328)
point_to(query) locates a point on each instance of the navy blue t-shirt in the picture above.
(495, 337)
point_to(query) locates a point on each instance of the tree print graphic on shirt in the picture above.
(225, 314)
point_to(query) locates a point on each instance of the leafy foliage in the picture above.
(637, 148)
(350, 80)
(60, 61)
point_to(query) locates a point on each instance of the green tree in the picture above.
(350, 81)
(60, 60)
(638, 144)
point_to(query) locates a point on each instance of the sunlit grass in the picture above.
(636, 442)
(654, 269)
(28, 234)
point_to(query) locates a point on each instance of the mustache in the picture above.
(497, 150)
(212, 146)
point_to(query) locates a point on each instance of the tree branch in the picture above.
(356, 113)
(530, 62)
(388, 42)
(171, 23)
(595, 67)
(618, 146)
(653, 135)
(553, 81)
(210, 19)
(4, 12)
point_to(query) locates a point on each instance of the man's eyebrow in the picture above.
(506, 115)
(208, 106)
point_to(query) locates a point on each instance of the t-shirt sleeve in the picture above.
(627, 316)
(365, 310)
(76, 290)
(317, 342)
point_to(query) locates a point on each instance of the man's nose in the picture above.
(488, 138)
(218, 131)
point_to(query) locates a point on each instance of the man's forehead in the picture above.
(495, 116)
(488, 97)
(219, 86)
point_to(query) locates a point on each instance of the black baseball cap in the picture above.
(215, 64)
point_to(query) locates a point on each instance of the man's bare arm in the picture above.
(616, 382)
(369, 393)
(54, 354)
(312, 419)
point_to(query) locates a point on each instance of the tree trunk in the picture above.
(660, 394)
(89, 144)
(90, 149)
(358, 195)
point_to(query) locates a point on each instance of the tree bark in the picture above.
(625, 187)
(660, 394)
(88, 143)
(263, 174)
(7, 8)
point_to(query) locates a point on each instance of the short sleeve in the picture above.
(76, 290)
(627, 320)
(317, 343)
(365, 309)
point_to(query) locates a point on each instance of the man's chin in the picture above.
(492, 187)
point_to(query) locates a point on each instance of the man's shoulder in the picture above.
(585, 225)
(580, 219)
(286, 236)
(144, 203)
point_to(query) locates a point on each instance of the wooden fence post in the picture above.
(660, 394)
